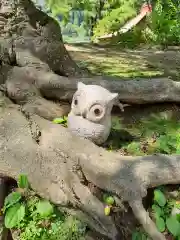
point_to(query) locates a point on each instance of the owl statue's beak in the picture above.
(84, 115)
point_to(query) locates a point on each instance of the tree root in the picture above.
(29, 86)
(56, 166)
(60, 154)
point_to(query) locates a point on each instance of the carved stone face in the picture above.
(90, 114)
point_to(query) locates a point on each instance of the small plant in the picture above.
(109, 202)
(35, 218)
(14, 208)
(62, 121)
(162, 208)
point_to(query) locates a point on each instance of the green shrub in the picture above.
(164, 23)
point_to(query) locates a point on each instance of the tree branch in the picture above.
(147, 90)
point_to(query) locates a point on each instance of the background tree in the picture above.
(102, 17)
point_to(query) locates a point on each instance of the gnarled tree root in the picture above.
(58, 163)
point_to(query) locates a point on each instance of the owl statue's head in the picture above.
(92, 102)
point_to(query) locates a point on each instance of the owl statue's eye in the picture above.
(76, 102)
(97, 111)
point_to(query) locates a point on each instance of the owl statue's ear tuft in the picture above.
(80, 85)
(113, 96)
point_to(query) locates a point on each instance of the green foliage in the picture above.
(139, 235)
(134, 147)
(99, 16)
(164, 23)
(58, 8)
(162, 26)
(114, 19)
(162, 213)
(167, 134)
(34, 218)
(90, 8)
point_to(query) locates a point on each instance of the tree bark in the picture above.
(34, 63)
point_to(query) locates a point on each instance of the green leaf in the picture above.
(157, 210)
(59, 120)
(160, 224)
(173, 226)
(137, 236)
(12, 199)
(14, 215)
(23, 181)
(44, 208)
(159, 198)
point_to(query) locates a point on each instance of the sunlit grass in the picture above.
(118, 66)
(113, 63)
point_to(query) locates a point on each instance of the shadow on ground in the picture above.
(125, 62)
(146, 129)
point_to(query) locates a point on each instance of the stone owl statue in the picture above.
(90, 115)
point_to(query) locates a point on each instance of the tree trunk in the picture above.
(34, 63)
